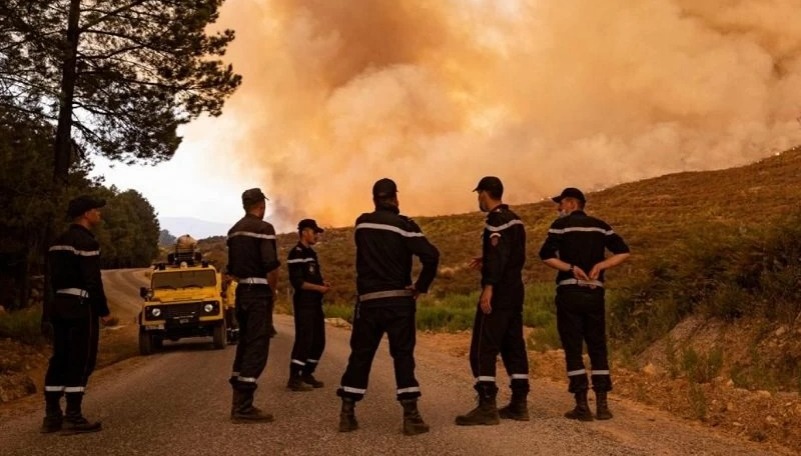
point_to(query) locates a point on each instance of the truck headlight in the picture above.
(155, 311)
(208, 308)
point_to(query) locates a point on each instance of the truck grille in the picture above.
(182, 310)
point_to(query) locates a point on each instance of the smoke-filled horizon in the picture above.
(542, 93)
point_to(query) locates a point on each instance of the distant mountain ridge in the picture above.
(197, 228)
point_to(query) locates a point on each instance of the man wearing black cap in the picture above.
(75, 301)
(576, 246)
(385, 245)
(307, 302)
(498, 327)
(253, 262)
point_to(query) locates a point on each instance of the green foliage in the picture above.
(142, 69)
(702, 368)
(166, 239)
(698, 402)
(22, 325)
(720, 271)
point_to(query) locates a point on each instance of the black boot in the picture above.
(517, 408)
(413, 423)
(582, 410)
(53, 416)
(487, 410)
(310, 380)
(244, 412)
(74, 421)
(295, 382)
(347, 416)
(602, 407)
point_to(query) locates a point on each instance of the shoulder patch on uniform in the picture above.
(495, 239)
(298, 249)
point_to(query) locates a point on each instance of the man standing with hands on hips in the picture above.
(253, 261)
(576, 246)
(386, 243)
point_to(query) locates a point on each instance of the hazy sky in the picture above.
(543, 93)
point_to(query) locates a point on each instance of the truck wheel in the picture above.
(145, 343)
(219, 336)
(157, 342)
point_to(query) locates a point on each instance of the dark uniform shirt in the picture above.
(252, 249)
(580, 240)
(75, 268)
(385, 243)
(503, 253)
(304, 267)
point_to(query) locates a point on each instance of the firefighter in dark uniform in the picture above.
(253, 261)
(576, 246)
(385, 245)
(75, 302)
(307, 302)
(498, 327)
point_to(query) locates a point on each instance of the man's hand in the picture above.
(596, 270)
(579, 273)
(109, 320)
(324, 288)
(476, 263)
(485, 302)
(415, 293)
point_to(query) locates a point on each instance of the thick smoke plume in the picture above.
(543, 93)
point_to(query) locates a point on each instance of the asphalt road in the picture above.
(178, 402)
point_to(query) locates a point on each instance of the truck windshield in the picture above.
(184, 279)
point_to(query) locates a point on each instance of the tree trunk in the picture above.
(63, 142)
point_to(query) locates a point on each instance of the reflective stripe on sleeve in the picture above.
(74, 251)
(394, 229)
(577, 372)
(74, 389)
(485, 378)
(580, 229)
(495, 229)
(251, 234)
(298, 362)
(247, 379)
(599, 372)
(300, 260)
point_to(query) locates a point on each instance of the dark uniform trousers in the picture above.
(500, 332)
(75, 338)
(309, 338)
(254, 314)
(581, 317)
(397, 319)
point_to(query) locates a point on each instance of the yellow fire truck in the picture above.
(184, 300)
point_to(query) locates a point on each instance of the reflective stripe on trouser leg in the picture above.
(514, 353)
(364, 340)
(254, 308)
(595, 336)
(318, 343)
(569, 323)
(401, 332)
(304, 338)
